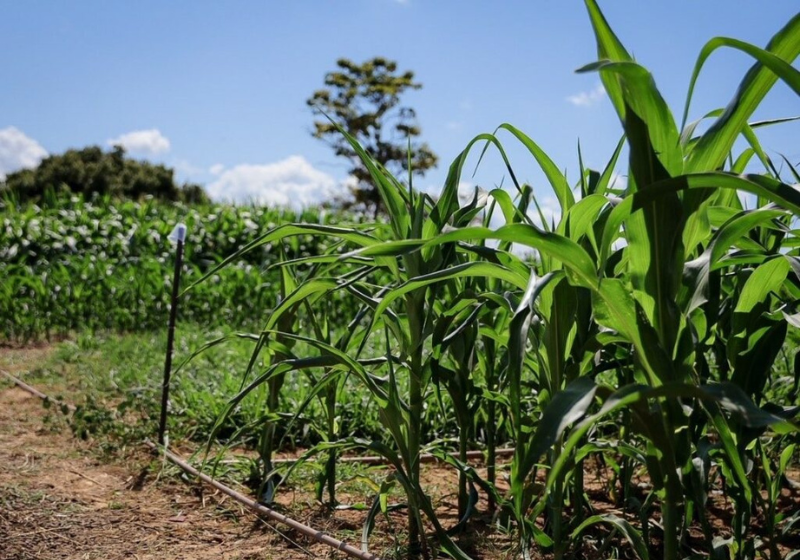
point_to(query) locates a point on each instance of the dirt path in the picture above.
(57, 500)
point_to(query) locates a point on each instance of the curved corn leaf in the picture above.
(470, 269)
(710, 151)
(289, 230)
(566, 407)
(779, 66)
(630, 533)
(609, 48)
(556, 178)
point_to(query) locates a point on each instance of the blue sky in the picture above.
(218, 90)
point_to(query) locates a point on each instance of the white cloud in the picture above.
(186, 168)
(551, 210)
(618, 181)
(466, 190)
(216, 169)
(588, 98)
(18, 151)
(292, 182)
(150, 142)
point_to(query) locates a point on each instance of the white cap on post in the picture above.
(178, 234)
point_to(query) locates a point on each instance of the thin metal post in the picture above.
(173, 314)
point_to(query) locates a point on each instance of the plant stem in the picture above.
(463, 447)
(415, 397)
(556, 508)
(330, 467)
(670, 520)
(491, 413)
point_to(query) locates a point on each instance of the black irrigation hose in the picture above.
(318, 536)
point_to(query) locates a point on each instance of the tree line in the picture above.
(92, 171)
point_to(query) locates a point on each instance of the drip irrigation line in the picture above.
(318, 536)
(33, 391)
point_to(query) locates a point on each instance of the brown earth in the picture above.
(58, 500)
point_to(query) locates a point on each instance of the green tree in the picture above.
(364, 99)
(90, 171)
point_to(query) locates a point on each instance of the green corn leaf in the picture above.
(465, 270)
(610, 48)
(726, 395)
(307, 291)
(604, 183)
(786, 456)
(579, 219)
(696, 273)
(566, 407)
(773, 190)
(334, 356)
(510, 213)
(765, 279)
(658, 137)
(379, 505)
(447, 204)
(556, 178)
(714, 145)
(289, 230)
(388, 187)
(629, 531)
(779, 66)
(687, 131)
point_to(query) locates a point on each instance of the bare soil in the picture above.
(59, 500)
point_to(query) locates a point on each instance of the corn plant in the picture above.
(642, 332)
(664, 213)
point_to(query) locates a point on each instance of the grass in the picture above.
(112, 377)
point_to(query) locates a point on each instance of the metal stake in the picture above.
(179, 235)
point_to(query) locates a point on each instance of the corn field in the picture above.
(77, 264)
(650, 334)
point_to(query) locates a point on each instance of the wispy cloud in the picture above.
(149, 142)
(588, 98)
(292, 182)
(18, 151)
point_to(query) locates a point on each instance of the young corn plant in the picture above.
(405, 311)
(665, 216)
(670, 283)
